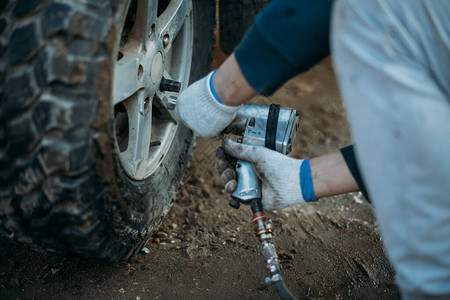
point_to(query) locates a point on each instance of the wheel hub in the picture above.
(157, 68)
(154, 45)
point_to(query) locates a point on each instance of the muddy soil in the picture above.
(206, 250)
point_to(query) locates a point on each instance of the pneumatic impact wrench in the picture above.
(273, 127)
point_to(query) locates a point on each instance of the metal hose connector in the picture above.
(263, 230)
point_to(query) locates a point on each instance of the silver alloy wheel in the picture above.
(156, 42)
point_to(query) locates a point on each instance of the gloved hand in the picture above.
(199, 108)
(285, 181)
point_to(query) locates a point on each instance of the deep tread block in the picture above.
(73, 190)
(51, 115)
(55, 19)
(6, 207)
(61, 218)
(23, 42)
(55, 157)
(3, 3)
(73, 158)
(88, 27)
(2, 25)
(22, 136)
(33, 205)
(67, 69)
(39, 68)
(13, 226)
(29, 178)
(19, 92)
(25, 6)
(82, 48)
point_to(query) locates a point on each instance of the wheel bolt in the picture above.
(166, 40)
(171, 103)
(170, 85)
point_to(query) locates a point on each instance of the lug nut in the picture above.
(171, 103)
(166, 40)
(170, 85)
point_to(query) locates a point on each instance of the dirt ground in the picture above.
(206, 250)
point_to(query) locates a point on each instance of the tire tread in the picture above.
(62, 185)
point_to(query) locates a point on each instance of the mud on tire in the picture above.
(62, 186)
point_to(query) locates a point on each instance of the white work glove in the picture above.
(199, 109)
(280, 174)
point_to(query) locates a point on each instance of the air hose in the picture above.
(263, 230)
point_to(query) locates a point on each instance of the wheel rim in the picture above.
(156, 42)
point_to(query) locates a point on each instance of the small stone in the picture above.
(173, 226)
(157, 240)
(201, 180)
(162, 234)
(232, 239)
(145, 249)
(55, 271)
(122, 291)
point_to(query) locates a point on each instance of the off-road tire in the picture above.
(236, 18)
(62, 186)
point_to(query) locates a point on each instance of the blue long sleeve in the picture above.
(287, 38)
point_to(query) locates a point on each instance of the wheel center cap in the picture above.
(157, 68)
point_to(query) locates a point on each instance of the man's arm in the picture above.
(288, 37)
(230, 84)
(331, 176)
(287, 181)
(348, 153)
